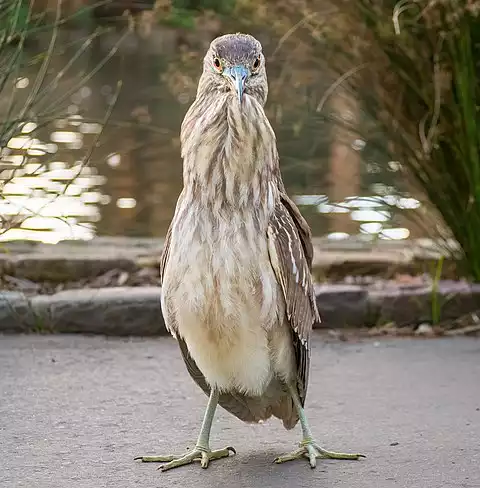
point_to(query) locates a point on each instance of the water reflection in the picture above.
(373, 214)
(131, 185)
(45, 199)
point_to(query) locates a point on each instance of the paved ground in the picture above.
(75, 410)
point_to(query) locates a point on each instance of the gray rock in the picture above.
(137, 311)
(458, 299)
(62, 268)
(5, 263)
(21, 284)
(404, 307)
(111, 311)
(16, 313)
(342, 305)
(425, 330)
(76, 259)
(414, 306)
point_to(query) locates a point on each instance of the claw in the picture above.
(312, 451)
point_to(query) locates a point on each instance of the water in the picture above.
(133, 179)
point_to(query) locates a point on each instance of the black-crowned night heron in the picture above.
(236, 285)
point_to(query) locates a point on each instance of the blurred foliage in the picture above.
(179, 17)
(15, 20)
(25, 113)
(220, 6)
(163, 71)
(415, 67)
(296, 85)
(182, 13)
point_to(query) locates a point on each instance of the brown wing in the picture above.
(302, 228)
(291, 253)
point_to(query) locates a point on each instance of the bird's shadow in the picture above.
(257, 468)
(253, 469)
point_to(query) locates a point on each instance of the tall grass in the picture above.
(415, 66)
(48, 95)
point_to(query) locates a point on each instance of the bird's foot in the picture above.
(199, 453)
(312, 451)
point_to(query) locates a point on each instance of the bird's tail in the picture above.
(285, 411)
(276, 401)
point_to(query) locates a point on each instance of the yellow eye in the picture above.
(256, 63)
(217, 64)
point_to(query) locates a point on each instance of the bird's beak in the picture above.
(237, 75)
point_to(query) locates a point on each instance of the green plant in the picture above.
(182, 13)
(40, 325)
(435, 297)
(14, 20)
(179, 17)
(415, 66)
(219, 6)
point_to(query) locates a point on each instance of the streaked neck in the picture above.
(229, 154)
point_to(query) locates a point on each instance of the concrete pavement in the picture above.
(75, 410)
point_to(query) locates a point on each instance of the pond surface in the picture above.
(133, 178)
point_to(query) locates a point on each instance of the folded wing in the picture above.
(291, 253)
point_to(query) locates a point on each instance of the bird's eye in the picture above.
(256, 63)
(217, 64)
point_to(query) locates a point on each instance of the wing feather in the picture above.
(165, 253)
(291, 254)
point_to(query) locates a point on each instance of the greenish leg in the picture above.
(308, 447)
(202, 451)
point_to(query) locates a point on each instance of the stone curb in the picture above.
(111, 311)
(136, 311)
(64, 267)
(74, 260)
(61, 267)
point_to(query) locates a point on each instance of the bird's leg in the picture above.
(202, 451)
(308, 447)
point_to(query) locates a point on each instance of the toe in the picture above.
(336, 455)
(155, 459)
(312, 455)
(205, 460)
(171, 465)
(290, 457)
(182, 461)
(221, 453)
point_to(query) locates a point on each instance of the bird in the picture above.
(236, 283)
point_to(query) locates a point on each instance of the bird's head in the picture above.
(235, 62)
